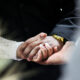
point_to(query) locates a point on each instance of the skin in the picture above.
(27, 46)
(38, 48)
(61, 56)
(50, 46)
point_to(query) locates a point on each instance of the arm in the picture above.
(8, 49)
(68, 26)
(15, 50)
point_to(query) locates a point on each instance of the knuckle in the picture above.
(30, 46)
(22, 46)
(34, 43)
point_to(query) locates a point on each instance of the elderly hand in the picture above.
(41, 45)
(26, 47)
(49, 46)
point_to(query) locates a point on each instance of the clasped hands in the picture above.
(43, 49)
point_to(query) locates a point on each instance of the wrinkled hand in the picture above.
(30, 46)
(60, 57)
(38, 48)
(49, 46)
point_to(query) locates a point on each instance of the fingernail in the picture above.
(43, 35)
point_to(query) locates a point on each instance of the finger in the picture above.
(38, 57)
(49, 49)
(20, 55)
(44, 51)
(20, 50)
(21, 47)
(58, 58)
(33, 53)
(55, 49)
(39, 36)
(30, 47)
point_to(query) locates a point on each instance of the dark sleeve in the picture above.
(66, 31)
(67, 27)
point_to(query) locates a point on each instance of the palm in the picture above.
(61, 56)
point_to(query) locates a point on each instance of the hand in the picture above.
(60, 57)
(25, 48)
(49, 46)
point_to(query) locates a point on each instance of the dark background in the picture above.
(27, 18)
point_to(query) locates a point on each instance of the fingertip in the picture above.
(43, 35)
(55, 49)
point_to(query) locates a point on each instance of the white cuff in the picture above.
(13, 51)
(8, 49)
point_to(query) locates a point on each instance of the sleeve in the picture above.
(8, 49)
(67, 27)
(65, 31)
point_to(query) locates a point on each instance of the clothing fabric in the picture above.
(68, 26)
(8, 49)
(25, 19)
